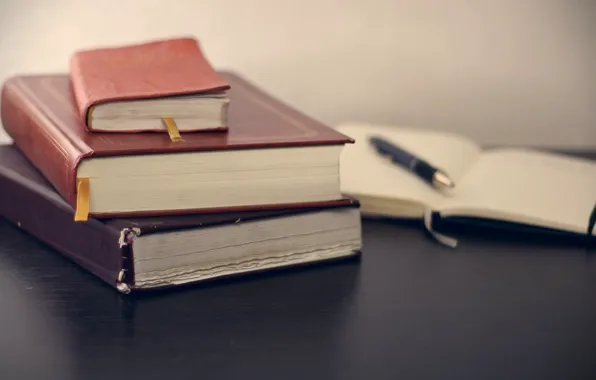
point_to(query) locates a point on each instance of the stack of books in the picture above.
(150, 169)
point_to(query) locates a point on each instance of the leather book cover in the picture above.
(154, 69)
(39, 114)
(28, 201)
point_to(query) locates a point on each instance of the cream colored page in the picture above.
(528, 187)
(364, 173)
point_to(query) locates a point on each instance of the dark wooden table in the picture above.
(408, 309)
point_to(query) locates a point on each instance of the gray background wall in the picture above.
(509, 71)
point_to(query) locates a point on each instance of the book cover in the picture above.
(39, 114)
(149, 70)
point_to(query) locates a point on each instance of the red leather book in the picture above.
(130, 88)
(273, 156)
(154, 252)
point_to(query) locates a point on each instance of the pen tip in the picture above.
(442, 180)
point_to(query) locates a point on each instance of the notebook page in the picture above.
(364, 173)
(528, 187)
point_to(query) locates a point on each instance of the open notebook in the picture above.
(521, 186)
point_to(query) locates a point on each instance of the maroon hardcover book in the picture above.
(273, 156)
(115, 251)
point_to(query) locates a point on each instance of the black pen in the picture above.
(435, 176)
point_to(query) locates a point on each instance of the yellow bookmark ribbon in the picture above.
(83, 196)
(172, 129)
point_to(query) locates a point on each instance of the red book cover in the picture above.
(155, 69)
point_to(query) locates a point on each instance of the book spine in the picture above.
(83, 105)
(43, 214)
(39, 139)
